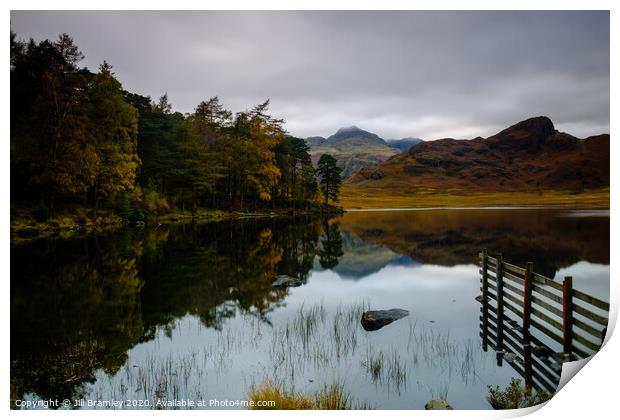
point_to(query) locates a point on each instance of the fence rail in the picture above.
(546, 308)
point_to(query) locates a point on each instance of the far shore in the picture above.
(353, 198)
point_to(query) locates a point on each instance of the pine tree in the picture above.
(330, 181)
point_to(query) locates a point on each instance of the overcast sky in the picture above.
(398, 74)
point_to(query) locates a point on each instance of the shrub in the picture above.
(154, 203)
(515, 396)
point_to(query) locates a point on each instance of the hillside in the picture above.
(404, 144)
(527, 157)
(353, 148)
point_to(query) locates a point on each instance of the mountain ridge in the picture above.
(528, 155)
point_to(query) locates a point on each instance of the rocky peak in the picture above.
(533, 128)
(348, 129)
(353, 131)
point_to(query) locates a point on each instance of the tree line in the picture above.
(79, 138)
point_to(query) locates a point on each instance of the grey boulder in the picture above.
(438, 405)
(374, 320)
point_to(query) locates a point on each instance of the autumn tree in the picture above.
(254, 136)
(114, 136)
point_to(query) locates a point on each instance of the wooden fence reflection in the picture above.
(535, 323)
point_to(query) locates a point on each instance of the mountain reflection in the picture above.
(549, 238)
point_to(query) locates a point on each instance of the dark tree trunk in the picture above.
(51, 212)
(96, 200)
(326, 196)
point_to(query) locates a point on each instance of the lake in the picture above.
(188, 312)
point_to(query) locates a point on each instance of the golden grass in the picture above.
(283, 400)
(358, 198)
(329, 398)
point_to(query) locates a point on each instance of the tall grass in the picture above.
(311, 349)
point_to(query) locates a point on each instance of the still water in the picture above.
(188, 312)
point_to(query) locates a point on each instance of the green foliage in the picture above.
(330, 180)
(515, 396)
(154, 203)
(137, 204)
(297, 182)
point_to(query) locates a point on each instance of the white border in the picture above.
(591, 395)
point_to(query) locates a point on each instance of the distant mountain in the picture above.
(315, 141)
(530, 155)
(404, 144)
(353, 148)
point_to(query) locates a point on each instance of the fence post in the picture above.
(500, 307)
(527, 295)
(567, 314)
(485, 290)
(528, 278)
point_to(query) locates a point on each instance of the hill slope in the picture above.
(353, 148)
(404, 144)
(528, 156)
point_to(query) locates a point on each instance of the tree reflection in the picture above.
(78, 306)
(75, 308)
(331, 246)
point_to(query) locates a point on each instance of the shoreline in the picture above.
(23, 230)
(506, 207)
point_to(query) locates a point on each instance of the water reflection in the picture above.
(552, 239)
(78, 306)
(331, 246)
(86, 313)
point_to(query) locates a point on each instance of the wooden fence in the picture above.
(540, 322)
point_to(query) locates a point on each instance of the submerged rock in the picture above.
(542, 351)
(283, 281)
(438, 405)
(509, 357)
(374, 320)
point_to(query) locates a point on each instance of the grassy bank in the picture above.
(78, 221)
(354, 198)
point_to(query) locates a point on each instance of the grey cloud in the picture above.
(421, 74)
